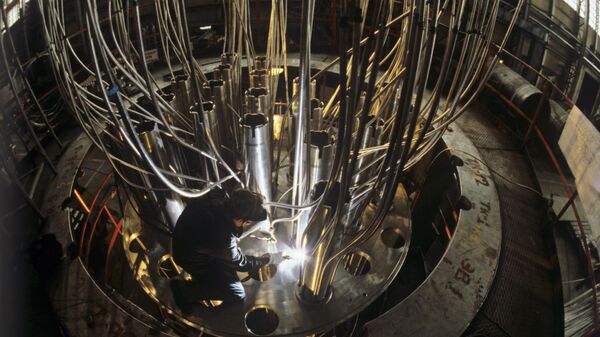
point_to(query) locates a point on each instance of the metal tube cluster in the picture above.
(402, 79)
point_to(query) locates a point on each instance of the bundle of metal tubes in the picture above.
(179, 138)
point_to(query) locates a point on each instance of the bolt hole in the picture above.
(392, 237)
(456, 161)
(464, 203)
(357, 263)
(261, 320)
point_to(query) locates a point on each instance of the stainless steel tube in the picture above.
(316, 113)
(259, 78)
(261, 63)
(171, 203)
(322, 148)
(257, 153)
(258, 101)
(181, 89)
(370, 138)
(226, 124)
(314, 278)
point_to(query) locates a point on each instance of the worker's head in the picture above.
(247, 210)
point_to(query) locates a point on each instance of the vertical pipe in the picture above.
(299, 187)
(370, 138)
(257, 101)
(316, 113)
(321, 157)
(225, 120)
(205, 120)
(224, 73)
(170, 202)
(294, 109)
(314, 279)
(259, 78)
(182, 93)
(260, 63)
(322, 150)
(211, 122)
(257, 153)
(235, 69)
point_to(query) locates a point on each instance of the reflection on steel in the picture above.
(316, 275)
(258, 101)
(257, 151)
(261, 63)
(370, 138)
(316, 113)
(211, 121)
(181, 91)
(350, 291)
(225, 122)
(170, 202)
(259, 78)
(321, 157)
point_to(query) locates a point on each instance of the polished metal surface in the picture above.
(258, 100)
(225, 121)
(170, 202)
(322, 149)
(352, 288)
(181, 89)
(316, 275)
(259, 78)
(316, 113)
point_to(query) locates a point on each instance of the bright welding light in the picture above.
(295, 254)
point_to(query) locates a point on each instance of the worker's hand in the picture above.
(276, 258)
(263, 235)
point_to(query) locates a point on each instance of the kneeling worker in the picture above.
(205, 245)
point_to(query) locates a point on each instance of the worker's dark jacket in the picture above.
(205, 246)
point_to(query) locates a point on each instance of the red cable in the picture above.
(83, 230)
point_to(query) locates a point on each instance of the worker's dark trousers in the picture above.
(222, 285)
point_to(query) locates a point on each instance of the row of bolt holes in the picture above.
(263, 320)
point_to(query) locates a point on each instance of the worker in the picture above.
(205, 245)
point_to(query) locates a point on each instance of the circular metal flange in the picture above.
(353, 288)
(447, 301)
